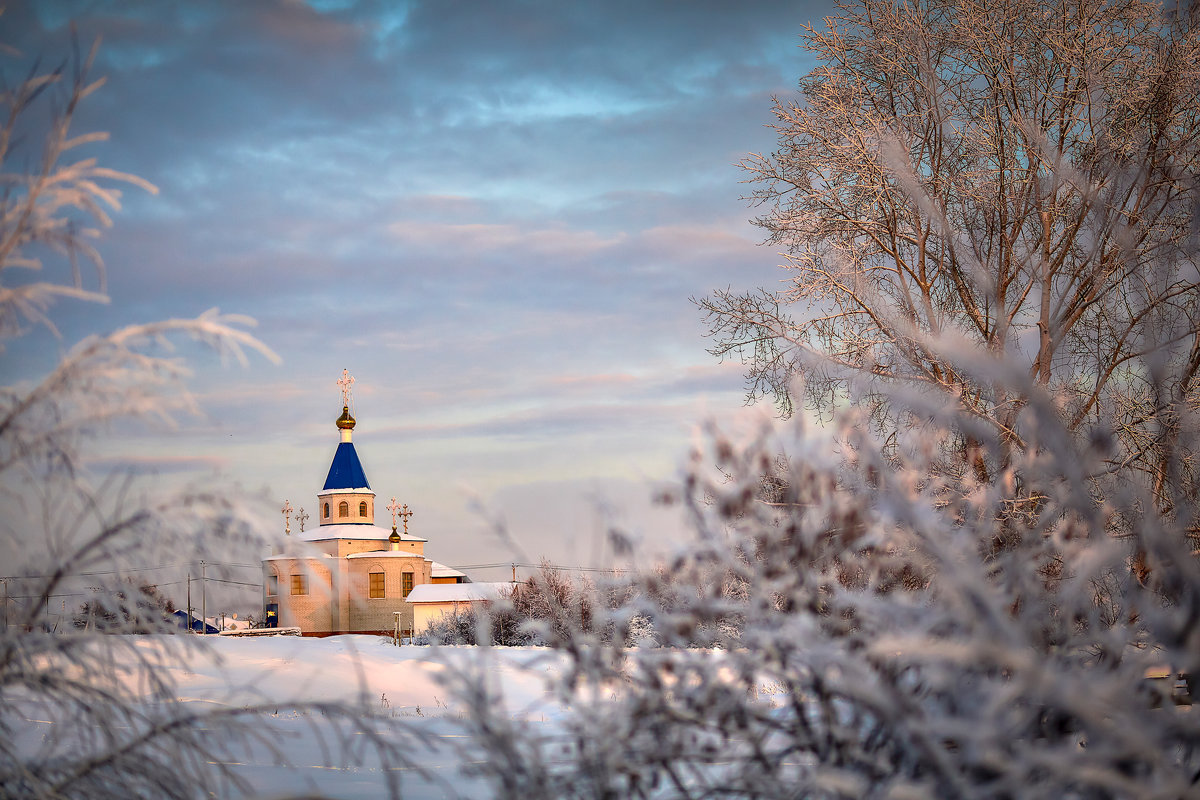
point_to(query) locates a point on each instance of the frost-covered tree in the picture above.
(140, 609)
(110, 719)
(958, 586)
(1017, 175)
(544, 609)
(884, 646)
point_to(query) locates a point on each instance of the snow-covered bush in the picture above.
(901, 634)
(451, 629)
(546, 608)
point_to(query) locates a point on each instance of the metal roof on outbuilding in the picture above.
(458, 592)
(442, 571)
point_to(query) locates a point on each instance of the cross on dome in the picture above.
(393, 507)
(346, 382)
(287, 516)
(345, 422)
(406, 514)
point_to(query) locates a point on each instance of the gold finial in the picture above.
(345, 421)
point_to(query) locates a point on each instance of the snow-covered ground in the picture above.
(402, 686)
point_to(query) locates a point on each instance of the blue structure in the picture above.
(198, 625)
(346, 498)
(346, 471)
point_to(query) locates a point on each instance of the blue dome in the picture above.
(346, 472)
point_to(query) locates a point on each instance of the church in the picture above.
(347, 574)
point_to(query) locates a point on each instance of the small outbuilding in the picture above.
(431, 601)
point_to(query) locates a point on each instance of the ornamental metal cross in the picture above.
(345, 382)
(301, 517)
(406, 514)
(287, 516)
(393, 507)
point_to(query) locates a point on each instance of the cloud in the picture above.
(473, 239)
(152, 464)
(493, 214)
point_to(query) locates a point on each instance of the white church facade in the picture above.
(347, 574)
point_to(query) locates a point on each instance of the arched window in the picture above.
(362, 508)
(327, 511)
(343, 509)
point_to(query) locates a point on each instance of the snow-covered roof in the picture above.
(352, 531)
(442, 571)
(387, 554)
(297, 556)
(346, 471)
(457, 592)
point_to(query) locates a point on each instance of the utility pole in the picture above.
(203, 600)
(514, 566)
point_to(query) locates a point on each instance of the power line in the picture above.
(559, 567)
(130, 569)
(239, 583)
(88, 573)
(91, 593)
(93, 573)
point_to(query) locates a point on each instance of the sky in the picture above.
(493, 214)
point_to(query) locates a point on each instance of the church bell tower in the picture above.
(346, 498)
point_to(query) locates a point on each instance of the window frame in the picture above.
(343, 509)
(406, 583)
(273, 585)
(299, 584)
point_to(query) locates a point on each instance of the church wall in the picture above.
(340, 613)
(330, 501)
(328, 547)
(378, 614)
(310, 611)
(346, 547)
